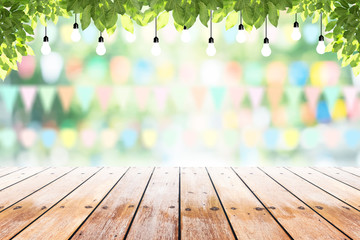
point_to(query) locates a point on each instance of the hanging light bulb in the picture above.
(241, 36)
(185, 35)
(211, 50)
(45, 48)
(75, 35)
(156, 50)
(320, 48)
(296, 34)
(266, 50)
(130, 37)
(100, 49)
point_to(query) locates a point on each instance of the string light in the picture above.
(211, 50)
(266, 50)
(100, 49)
(75, 35)
(296, 34)
(321, 45)
(185, 35)
(241, 36)
(156, 50)
(45, 48)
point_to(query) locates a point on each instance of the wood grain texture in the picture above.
(62, 221)
(332, 186)
(24, 188)
(352, 170)
(342, 176)
(240, 205)
(202, 216)
(7, 170)
(339, 214)
(112, 217)
(292, 214)
(159, 210)
(16, 218)
(19, 176)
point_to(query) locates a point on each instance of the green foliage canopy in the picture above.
(18, 19)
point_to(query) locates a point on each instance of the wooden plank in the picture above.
(112, 217)
(298, 219)
(339, 214)
(7, 170)
(352, 170)
(159, 210)
(61, 221)
(202, 216)
(14, 219)
(17, 192)
(342, 176)
(240, 205)
(342, 191)
(19, 176)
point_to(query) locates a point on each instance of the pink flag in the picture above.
(104, 95)
(312, 95)
(28, 95)
(256, 95)
(199, 94)
(66, 94)
(142, 95)
(161, 95)
(350, 94)
(88, 137)
(236, 95)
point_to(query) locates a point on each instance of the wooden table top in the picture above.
(179, 203)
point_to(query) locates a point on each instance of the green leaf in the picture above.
(85, 17)
(204, 14)
(231, 20)
(127, 23)
(163, 20)
(273, 14)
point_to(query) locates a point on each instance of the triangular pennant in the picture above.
(293, 95)
(121, 95)
(199, 94)
(47, 95)
(274, 94)
(236, 95)
(28, 95)
(218, 94)
(312, 95)
(255, 95)
(85, 95)
(161, 95)
(350, 94)
(66, 94)
(9, 94)
(331, 95)
(179, 96)
(104, 96)
(142, 95)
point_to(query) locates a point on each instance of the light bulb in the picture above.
(241, 36)
(321, 45)
(45, 48)
(296, 34)
(185, 35)
(130, 37)
(75, 35)
(100, 49)
(266, 50)
(211, 50)
(156, 50)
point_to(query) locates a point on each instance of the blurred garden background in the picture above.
(182, 108)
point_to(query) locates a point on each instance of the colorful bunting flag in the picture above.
(256, 95)
(199, 94)
(28, 95)
(218, 94)
(85, 95)
(66, 94)
(9, 94)
(47, 95)
(142, 95)
(312, 95)
(104, 95)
